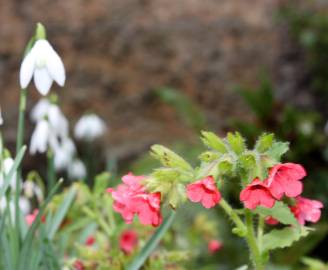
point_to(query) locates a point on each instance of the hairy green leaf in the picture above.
(168, 158)
(214, 142)
(283, 238)
(277, 150)
(279, 211)
(236, 142)
(264, 142)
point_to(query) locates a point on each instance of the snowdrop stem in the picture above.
(51, 170)
(255, 254)
(19, 144)
(90, 163)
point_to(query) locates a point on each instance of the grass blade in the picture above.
(152, 243)
(13, 169)
(61, 213)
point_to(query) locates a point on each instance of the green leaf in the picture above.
(264, 142)
(152, 243)
(279, 211)
(61, 213)
(177, 195)
(277, 150)
(236, 142)
(209, 156)
(26, 250)
(225, 167)
(214, 142)
(101, 182)
(314, 264)
(283, 238)
(168, 158)
(13, 169)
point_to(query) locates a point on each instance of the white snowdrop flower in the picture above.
(89, 127)
(44, 64)
(77, 170)
(64, 154)
(24, 205)
(40, 110)
(7, 165)
(31, 189)
(40, 137)
(57, 120)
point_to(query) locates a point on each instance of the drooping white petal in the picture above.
(56, 67)
(27, 69)
(42, 80)
(40, 110)
(40, 138)
(89, 127)
(8, 163)
(24, 205)
(77, 170)
(64, 154)
(58, 120)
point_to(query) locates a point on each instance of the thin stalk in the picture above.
(51, 170)
(19, 144)
(260, 230)
(255, 254)
(232, 214)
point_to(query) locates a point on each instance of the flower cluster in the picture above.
(284, 179)
(52, 132)
(131, 198)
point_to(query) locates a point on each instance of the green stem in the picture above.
(232, 214)
(19, 144)
(255, 254)
(152, 243)
(51, 170)
(260, 229)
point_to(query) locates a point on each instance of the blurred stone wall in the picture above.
(117, 52)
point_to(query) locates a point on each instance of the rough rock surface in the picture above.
(117, 52)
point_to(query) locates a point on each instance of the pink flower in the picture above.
(307, 210)
(90, 240)
(271, 221)
(214, 246)
(128, 241)
(256, 193)
(131, 198)
(204, 191)
(31, 217)
(285, 179)
(78, 265)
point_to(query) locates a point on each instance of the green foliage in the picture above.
(265, 143)
(236, 142)
(283, 238)
(168, 158)
(212, 141)
(280, 211)
(314, 264)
